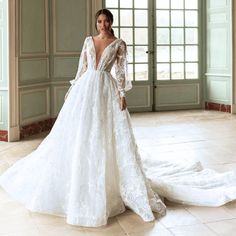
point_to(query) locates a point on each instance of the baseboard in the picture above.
(4, 135)
(36, 128)
(217, 107)
(14, 134)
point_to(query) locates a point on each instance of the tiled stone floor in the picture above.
(207, 136)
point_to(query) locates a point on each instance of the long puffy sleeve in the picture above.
(82, 66)
(121, 70)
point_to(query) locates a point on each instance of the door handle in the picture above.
(149, 52)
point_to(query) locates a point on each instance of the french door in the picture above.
(164, 52)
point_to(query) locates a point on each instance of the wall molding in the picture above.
(1, 49)
(55, 98)
(46, 115)
(177, 86)
(54, 31)
(46, 32)
(1, 110)
(47, 75)
(217, 75)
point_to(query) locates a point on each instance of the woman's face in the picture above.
(103, 24)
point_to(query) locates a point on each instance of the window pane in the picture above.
(111, 3)
(127, 35)
(141, 72)
(191, 4)
(177, 36)
(130, 71)
(140, 4)
(115, 17)
(141, 36)
(140, 54)
(191, 18)
(177, 18)
(177, 4)
(163, 18)
(163, 71)
(163, 36)
(162, 4)
(191, 35)
(141, 17)
(130, 53)
(126, 17)
(177, 53)
(191, 70)
(126, 3)
(177, 71)
(163, 54)
(191, 53)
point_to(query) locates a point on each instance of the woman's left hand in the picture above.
(123, 104)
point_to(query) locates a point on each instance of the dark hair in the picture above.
(108, 14)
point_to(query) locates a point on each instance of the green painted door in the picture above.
(163, 39)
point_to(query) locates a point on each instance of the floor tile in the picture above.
(223, 228)
(134, 223)
(209, 214)
(192, 230)
(113, 227)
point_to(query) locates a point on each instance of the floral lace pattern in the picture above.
(88, 168)
(114, 55)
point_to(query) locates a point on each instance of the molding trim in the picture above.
(233, 108)
(46, 59)
(1, 110)
(38, 117)
(197, 87)
(46, 33)
(1, 47)
(43, 84)
(55, 101)
(54, 33)
(13, 106)
(233, 54)
(217, 75)
(148, 104)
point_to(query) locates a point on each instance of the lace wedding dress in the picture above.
(88, 168)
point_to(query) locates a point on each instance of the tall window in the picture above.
(175, 27)
(131, 24)
(177, 43)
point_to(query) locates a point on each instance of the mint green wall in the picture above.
(219, 46)
(3, 65)
(68, 24)
(51, 34)
(34, 79)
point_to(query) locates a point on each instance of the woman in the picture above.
(88, 168)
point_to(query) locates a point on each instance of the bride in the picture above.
(88, 168)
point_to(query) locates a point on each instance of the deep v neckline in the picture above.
(97, 64)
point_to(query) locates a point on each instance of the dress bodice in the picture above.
(115, 54)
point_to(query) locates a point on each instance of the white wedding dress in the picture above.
(88, 168)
